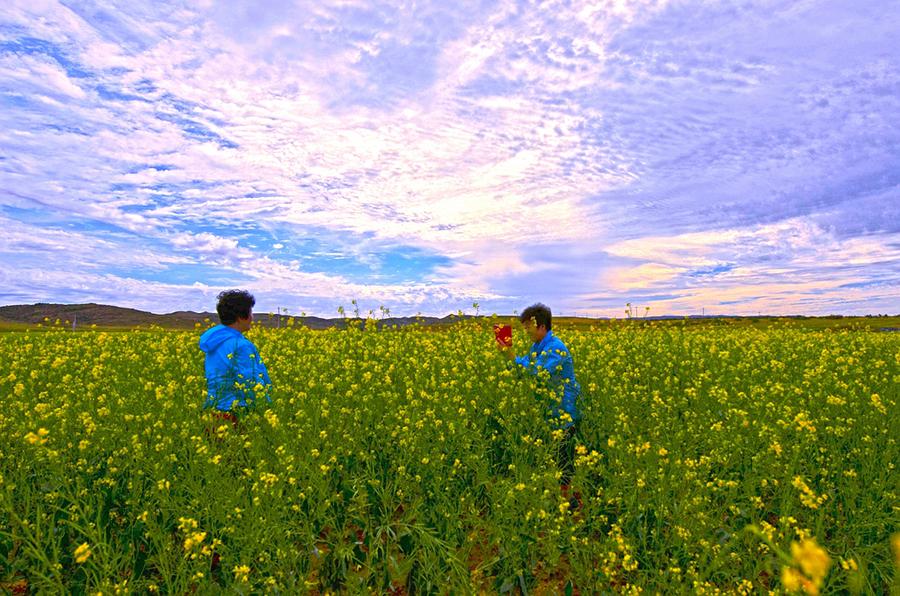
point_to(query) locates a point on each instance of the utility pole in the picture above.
(74, 320)
(278, 319)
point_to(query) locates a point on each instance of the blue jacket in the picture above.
(551, 354)
(233, 369)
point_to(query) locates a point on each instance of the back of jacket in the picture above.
(235, 374)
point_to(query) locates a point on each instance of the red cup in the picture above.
(503, 335)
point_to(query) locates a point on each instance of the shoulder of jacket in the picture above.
(242, 343)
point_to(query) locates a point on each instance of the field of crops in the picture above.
(711, 459)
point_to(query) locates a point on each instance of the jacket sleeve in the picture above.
(550, 360)
(523, 361)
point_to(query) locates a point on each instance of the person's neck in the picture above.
(236, 328)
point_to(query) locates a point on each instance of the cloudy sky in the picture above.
(737, 157)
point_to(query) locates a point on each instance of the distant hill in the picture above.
(102, 315)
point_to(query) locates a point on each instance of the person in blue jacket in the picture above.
(550, 360)
(235, 374)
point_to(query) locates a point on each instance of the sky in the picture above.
(686, 156)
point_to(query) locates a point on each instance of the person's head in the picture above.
(537, 321)
(235, 309)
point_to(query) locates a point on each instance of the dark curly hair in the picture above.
(540, 313)
(234, 305)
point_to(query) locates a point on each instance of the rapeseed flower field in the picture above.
(711, 460)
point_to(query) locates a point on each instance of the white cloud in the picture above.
(204, 242)
(675, 146)
(39, 75)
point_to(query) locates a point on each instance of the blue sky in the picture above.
(737, 157)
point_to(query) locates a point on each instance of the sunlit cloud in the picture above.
(773, 268)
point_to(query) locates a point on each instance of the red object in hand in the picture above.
(503, 335)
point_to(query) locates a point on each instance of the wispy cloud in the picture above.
(684, 155)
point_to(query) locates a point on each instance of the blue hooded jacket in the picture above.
(551, 354)
(234, 369)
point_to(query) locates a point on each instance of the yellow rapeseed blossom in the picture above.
(808, 569)
(807, 496)
(794, 581)
(82, 553)
(193, 540)
(687, 431)
(849, 564)
(812, 558)
(38, 438)
(241, 573)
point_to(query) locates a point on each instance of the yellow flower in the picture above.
(38, 438)
(807, 496)
(812, 559)
(241, 572)
(82, 553)
(794, 581)
(813, 563)
(193, 540)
